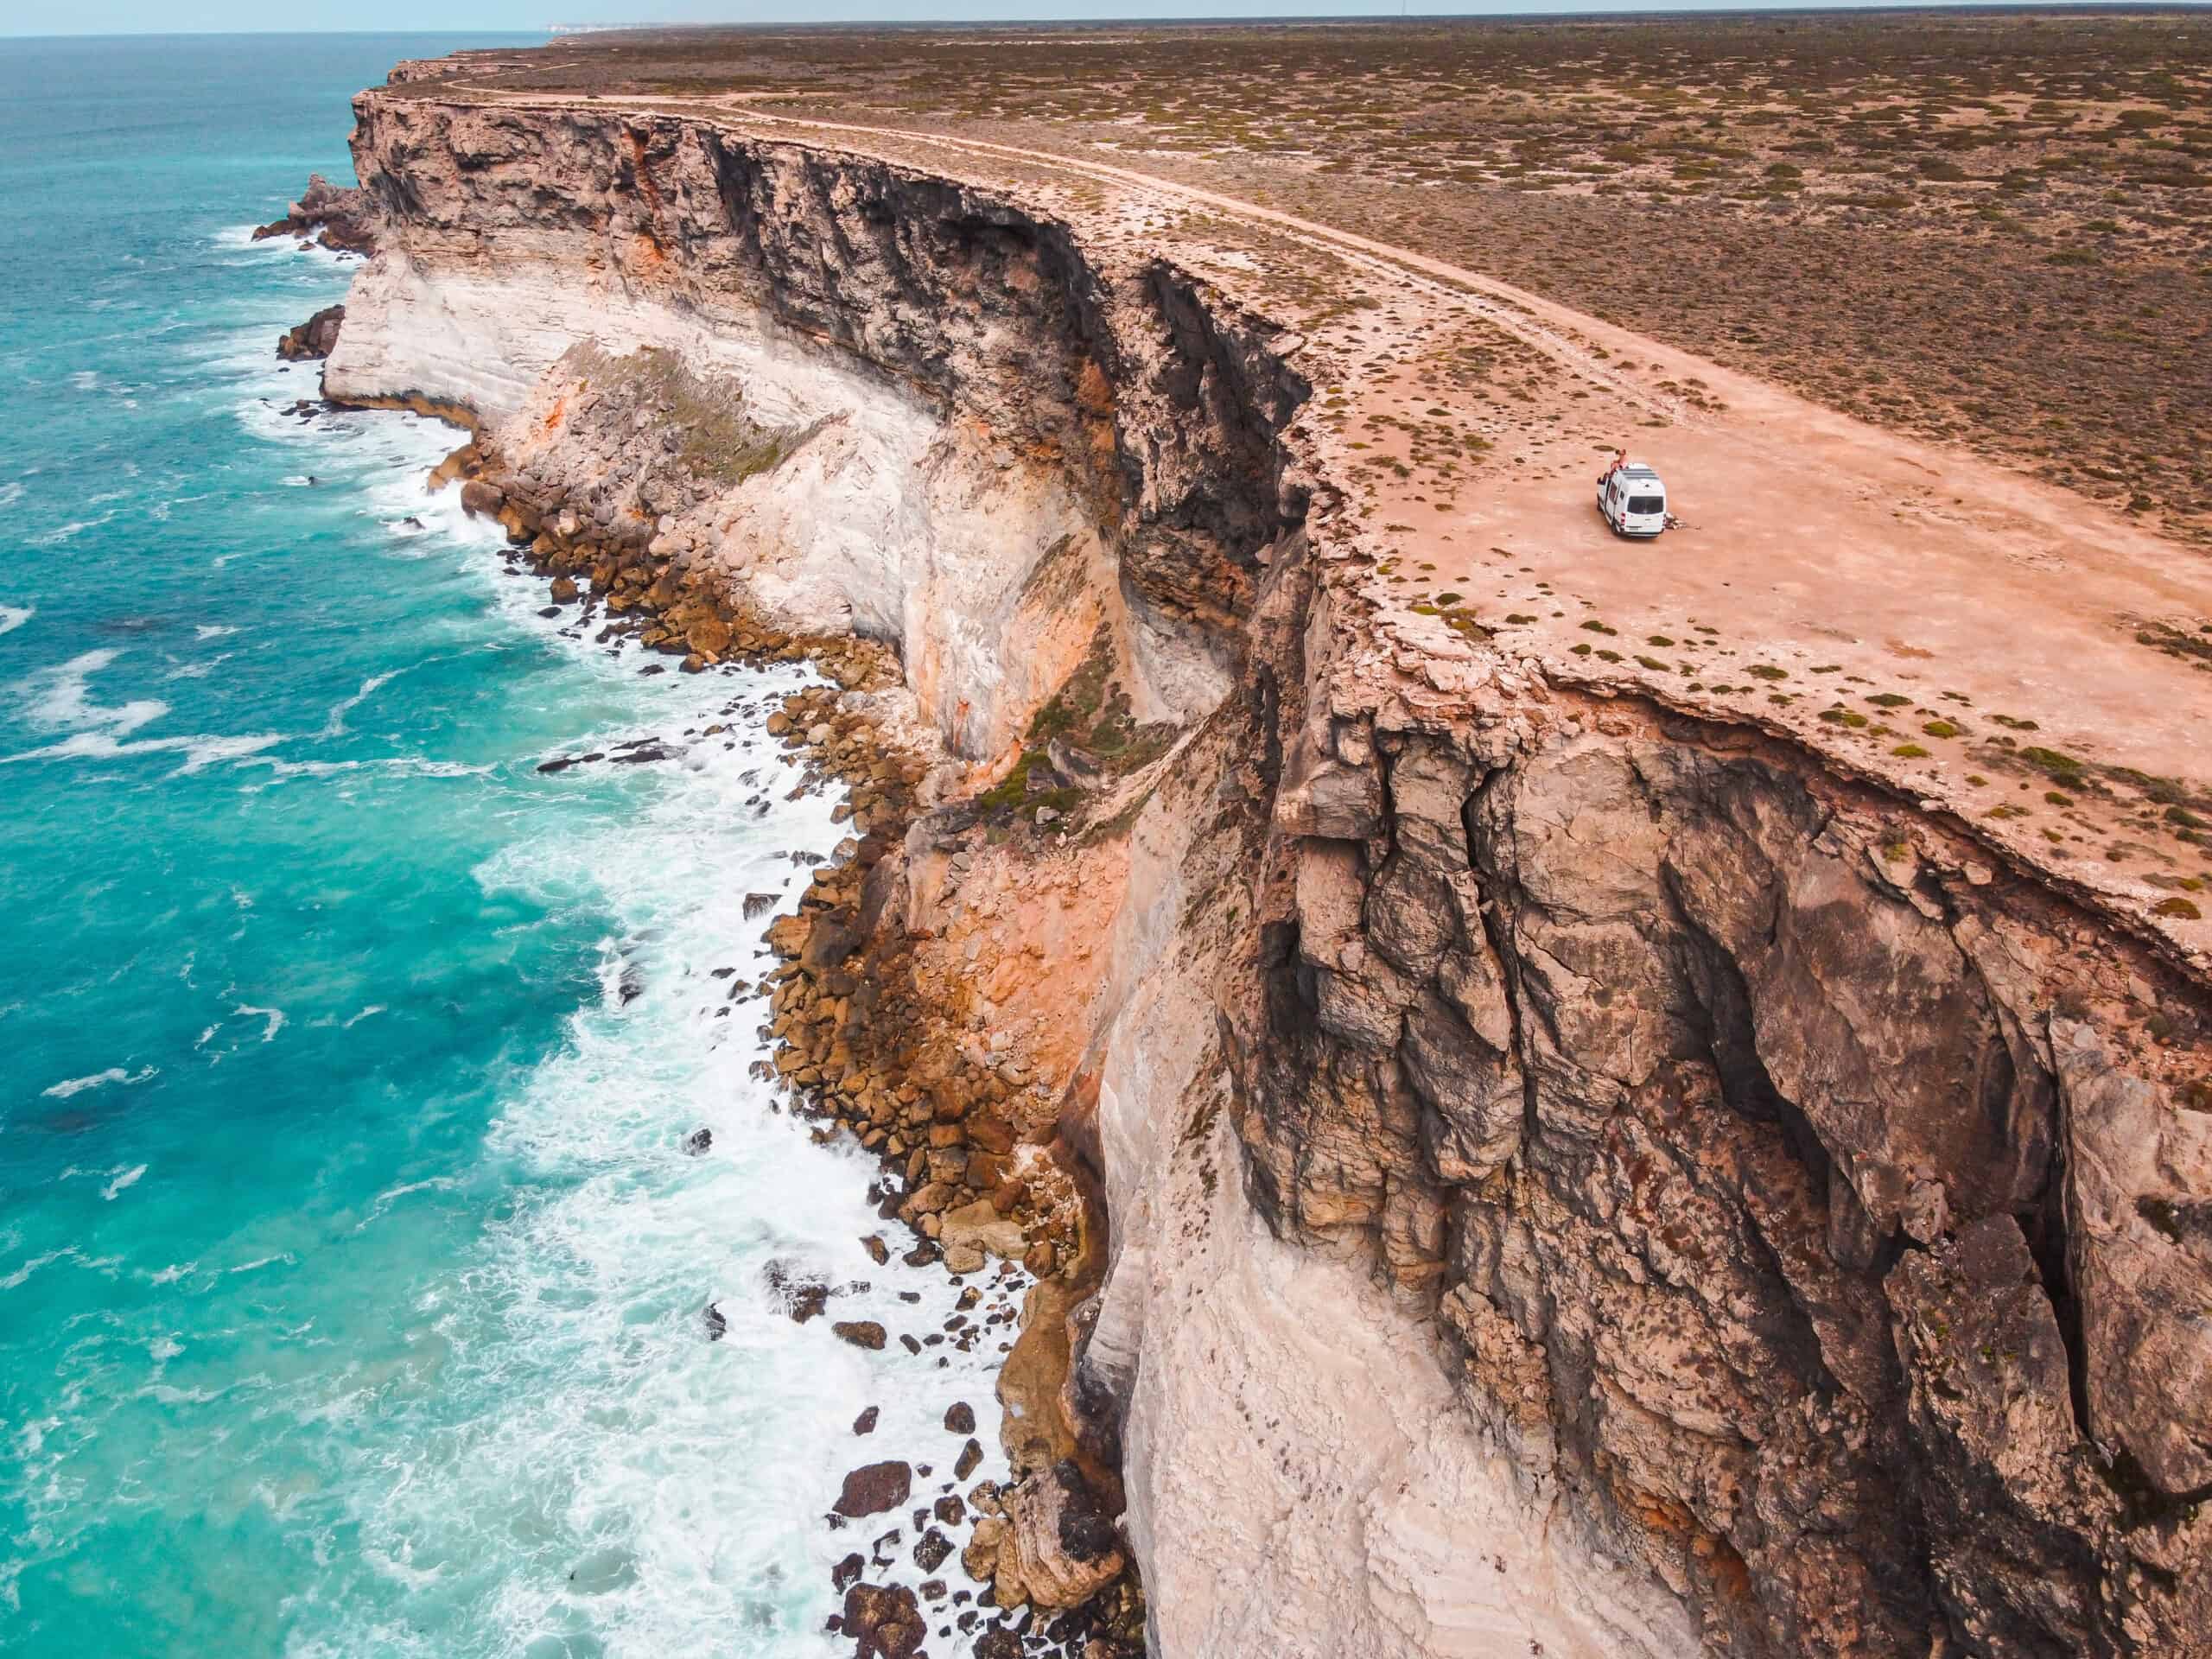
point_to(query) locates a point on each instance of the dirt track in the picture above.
(1923, 615)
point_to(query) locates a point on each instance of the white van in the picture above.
(1631, 499)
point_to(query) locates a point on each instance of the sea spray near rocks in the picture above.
(353, 1266)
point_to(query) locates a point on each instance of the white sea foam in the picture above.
(416, 765)
(168, 1394)
(382, 1203)
(14, 616)
(128, 1178)
(60, 699)
(106, 1266)
(30, 1267)
(198, 671)
(239, 239)
(212, 631)
(273, 1017)
(68, 532)
(199, 752)
(113, 1075)
(582, 1405)
(282, 768)
(335, 725)
(562, 1461)
(10, 492)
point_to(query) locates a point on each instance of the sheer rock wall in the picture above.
(1577, 1175)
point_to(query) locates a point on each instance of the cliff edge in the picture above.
(1590, 1143)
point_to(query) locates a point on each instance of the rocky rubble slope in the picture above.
(1572, 1175)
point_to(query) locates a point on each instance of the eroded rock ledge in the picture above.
(1575, 1175)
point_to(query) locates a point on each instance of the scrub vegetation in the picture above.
(1991, 230)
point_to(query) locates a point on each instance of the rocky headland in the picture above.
(1500, 1156)
(340, 218)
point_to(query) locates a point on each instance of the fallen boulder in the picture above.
(875, 1487)
(885, 1620)
(980, 1226)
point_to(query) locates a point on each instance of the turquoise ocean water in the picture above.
(351, 1276)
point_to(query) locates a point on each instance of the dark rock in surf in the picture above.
(717, 1325)
(885, 1620)
(930, 1552)
(697, 1141)
(875, 1488)
(801, 1298)
(342, 216)
(316, 338)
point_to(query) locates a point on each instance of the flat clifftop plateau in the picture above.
(1982, 228)
(1630, 1103)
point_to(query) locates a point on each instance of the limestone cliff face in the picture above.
(1577, 1175)
(1800, 1193)
(955, 335)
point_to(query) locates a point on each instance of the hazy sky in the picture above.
(138, 16)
